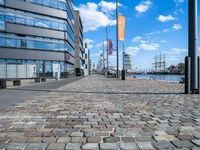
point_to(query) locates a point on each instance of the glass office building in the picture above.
(39, 32)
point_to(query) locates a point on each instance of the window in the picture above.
(2, 2)
(37, 1)
(61, 47)
(54, 25)
(47, 46)
(10, 42)
(18, 42)
(20, 19)
(54, 4)
(30, 21)
(23, 44)
(2, 42)
(39, 22)
(47, 2)
(30, 44)
(61, 26)
(46, 23)
(61, 6)
(38, 45)
(55, 46)
(2, 20)
(10, 17)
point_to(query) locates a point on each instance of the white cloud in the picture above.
(137, 39)
(143, 6)
(177, 51)
(162, 18)
(177, 26)
(150, 46)
(89, 43)
(163, 41)
(108, 6)
(132, 50)
(93, 18)
(166, 30)
(102, 44)
(178, 2)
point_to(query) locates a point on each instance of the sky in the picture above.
(152, 27)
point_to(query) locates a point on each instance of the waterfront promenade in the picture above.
(108, 114)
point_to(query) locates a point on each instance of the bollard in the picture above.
(187, 75)
(123, 75)
(3, 84)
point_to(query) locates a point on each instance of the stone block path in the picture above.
(107, 114)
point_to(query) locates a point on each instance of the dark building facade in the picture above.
(79, 50)
(39, 32)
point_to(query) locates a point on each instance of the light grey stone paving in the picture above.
(100, 113)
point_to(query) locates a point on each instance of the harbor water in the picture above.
(169, 78)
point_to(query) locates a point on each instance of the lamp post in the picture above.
(107, 70)
(117, 39)
(193, 44)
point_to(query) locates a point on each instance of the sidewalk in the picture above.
(107, 114)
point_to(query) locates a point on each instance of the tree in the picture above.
(181, 67)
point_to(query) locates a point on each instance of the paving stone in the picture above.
(197, 135)
(145, 146)
(197, 142)
(164, 138)
(76, 134)
(128, 146)
(63, 139)
(182, 144)
(3, 146)
(94, 139)
(49, 140)
(109, 146)
(89, 133)
(111, 139)
(90, 146)
(35, 146)
(56, 146)
(144, 138)
(17, 146)
(34, 140)
(163, 145)
(185, 137)
(73, 146)
(127, 139)
(78, 139)
(102, 134)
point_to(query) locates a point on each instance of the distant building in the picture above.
(40, 33)
(128, 62)
(87, 60)
(79, 50)
(90, 64)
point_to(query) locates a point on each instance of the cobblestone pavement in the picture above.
(108, 114)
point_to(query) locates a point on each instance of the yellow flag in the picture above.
(121, 27)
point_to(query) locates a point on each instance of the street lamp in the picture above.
(117, 39)
(192, 52)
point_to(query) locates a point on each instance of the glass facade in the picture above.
(44, 68)
(29, 19)
(9, 40)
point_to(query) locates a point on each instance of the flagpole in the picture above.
(103, 58)
(107, 49)
(117, 39)
(123, 55)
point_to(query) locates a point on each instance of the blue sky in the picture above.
(152, 27)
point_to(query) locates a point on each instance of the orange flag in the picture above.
(121, 29)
